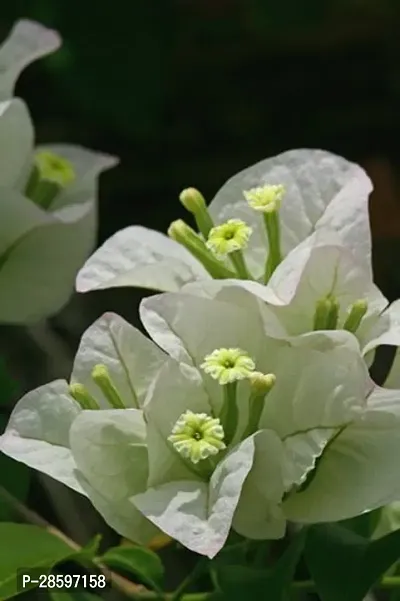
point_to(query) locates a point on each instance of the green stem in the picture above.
(198, 570)
(271, 221)
(239, 264)
(229, 413)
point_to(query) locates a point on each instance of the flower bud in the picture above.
(356, 314)
(82, 396)
(187, 237)
(102, 378)
(265, 199)
(261, 383)
(194, 202)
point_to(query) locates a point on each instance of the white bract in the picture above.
(320, 285)
(48, 195)
(265, 210)
(38, 433)
(225, 427)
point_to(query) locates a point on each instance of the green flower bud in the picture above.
(102, 378)
(261, 384)
(187, 237)
(326, 314)
(356, 314)
(82, 396)
(194, 202)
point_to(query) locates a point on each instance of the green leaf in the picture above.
(365, 524)
(345, 565)
(241, 582)
(25, 546)
(139, 561)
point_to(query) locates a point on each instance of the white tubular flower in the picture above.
(265, 199)
(228, 365)
(48, 209)
(197, 436)
(228, 237)
(319, 186)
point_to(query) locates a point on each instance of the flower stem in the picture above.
(198, 570)
(229, 412)
(271, 221)
(239, 264)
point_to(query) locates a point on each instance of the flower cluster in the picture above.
(250, 402)
(48, 206)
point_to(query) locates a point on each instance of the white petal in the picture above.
(258, 515)
(132, 359)
(322, 191)
(38, 432)
(110, 452)
(137, 256)
(16, 142)
(198, 515)
(358, 472)
(27, 42)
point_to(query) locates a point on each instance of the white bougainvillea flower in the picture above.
(48, 196)
(309, 190)
(319, 286)
(38, 433)
(194, 457)
(322, 421)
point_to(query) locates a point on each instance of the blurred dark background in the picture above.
(187, 92)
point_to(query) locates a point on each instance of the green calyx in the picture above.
(187, 237)
(194, 202)
(50, 174)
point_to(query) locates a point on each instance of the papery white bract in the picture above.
(322, 192)
(39, 430)
(41, 249)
